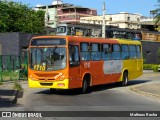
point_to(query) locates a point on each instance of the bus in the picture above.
(68, 62)
(79, 29)
(95, 30)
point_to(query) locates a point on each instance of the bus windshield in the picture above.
(47, 58)
(61, 29)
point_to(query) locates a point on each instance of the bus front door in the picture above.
(74, 67)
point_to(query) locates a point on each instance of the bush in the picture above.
(147, 67)
(17, 86)
(151, 67)
(155, 68)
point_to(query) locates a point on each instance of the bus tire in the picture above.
(85, 86)
(125, 79)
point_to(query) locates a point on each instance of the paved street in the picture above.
(102, 98)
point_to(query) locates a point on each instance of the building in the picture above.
(59, 12)
(148, 24)
(121, 20)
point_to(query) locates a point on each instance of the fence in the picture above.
(13, 68)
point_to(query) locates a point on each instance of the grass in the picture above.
(17, 86)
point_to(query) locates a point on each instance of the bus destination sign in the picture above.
(48, 41)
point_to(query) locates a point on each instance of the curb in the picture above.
(146, 94)
(18, 94)
(13, 97)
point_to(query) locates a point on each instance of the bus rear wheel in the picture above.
(125, 79)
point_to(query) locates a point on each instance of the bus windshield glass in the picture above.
(47, 58)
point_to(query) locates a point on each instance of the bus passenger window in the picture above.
(125, 52)
(85, 54)
(95, 52)
(106, 52)
(74, 55)
(116, 53)
(138, 51)
(68, 30)
(132, 51)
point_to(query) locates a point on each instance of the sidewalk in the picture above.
(8, 95)
(149, 89)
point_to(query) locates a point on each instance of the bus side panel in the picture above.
(112, 70)
(112, 78)
(74, 77)
(134, 68)
(96, 70)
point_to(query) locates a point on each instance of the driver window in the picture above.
(74, 54)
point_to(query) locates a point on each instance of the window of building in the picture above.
(95, 51)
(128, 18)
(110, 19)
(125, 52)
(85, 54)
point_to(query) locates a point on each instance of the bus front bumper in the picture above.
(63, 84)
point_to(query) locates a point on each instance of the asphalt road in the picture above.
(102, 98)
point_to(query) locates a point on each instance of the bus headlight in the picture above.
(61, 77)
(31, 77)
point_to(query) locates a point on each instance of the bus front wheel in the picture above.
(85, 86)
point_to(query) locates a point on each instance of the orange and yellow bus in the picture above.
(67, 62)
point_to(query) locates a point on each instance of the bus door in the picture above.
(74, 66)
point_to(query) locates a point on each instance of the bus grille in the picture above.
(46, 84)
(45, 75)
(45, 79)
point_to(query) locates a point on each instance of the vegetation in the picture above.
(151, 67)
(1, 83)
(16, 17)
(157, 13)
(17, 86)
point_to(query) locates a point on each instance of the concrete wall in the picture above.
(10, 43)
(150, 52)
(13, 43)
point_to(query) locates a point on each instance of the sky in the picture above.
(142, 7)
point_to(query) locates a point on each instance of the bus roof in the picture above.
(92, 39)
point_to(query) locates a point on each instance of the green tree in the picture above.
(16, 17)
(157, 12)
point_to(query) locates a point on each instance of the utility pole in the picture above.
(46, 16)
(104, 19)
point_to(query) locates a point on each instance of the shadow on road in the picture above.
(6, 103)
(96, 88)
(5, 98)
(136, 82)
